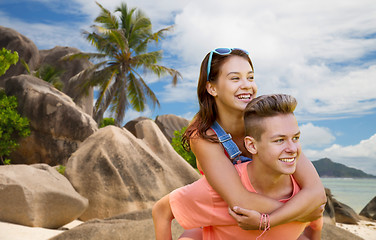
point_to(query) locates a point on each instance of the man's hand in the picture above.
(246, 219)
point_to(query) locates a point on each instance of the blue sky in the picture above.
(322, 52)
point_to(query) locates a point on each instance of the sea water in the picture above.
(354, 192)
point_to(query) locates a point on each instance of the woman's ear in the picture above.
(211, 89)
(250, 144)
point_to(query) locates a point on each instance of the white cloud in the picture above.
(361, 156)
(294, 47)
(315, 136)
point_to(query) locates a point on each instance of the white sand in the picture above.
(364, 229)
(9, 231)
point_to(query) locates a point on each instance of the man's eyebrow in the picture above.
(283, 135)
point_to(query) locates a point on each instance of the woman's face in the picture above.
(235, 86)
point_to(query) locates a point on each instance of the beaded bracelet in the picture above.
(264, 224)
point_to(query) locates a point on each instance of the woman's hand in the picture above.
(246, 219)
(316, 214)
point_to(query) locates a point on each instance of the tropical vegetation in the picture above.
(12, 125)
(47, 73)
(123, 40)
(7, 58)
(177, 145)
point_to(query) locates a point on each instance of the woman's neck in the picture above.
(232, 124)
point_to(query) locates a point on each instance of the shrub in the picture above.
(7, 58)
(177, 145)
(12, 126)
(106, 122)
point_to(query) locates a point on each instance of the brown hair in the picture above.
(266, 106)
(207, 113)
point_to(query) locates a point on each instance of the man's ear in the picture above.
(212, 90)
(250, 144)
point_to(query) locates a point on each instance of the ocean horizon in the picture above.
(354, 192)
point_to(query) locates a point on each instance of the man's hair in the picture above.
(266, 106)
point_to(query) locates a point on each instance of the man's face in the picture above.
(279, 147)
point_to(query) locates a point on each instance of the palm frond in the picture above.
(105, 17)
(81, 81)
(135, 93)
(145, 89)
(147, 58)
(157, 36)
(81, 55)
(108, 96)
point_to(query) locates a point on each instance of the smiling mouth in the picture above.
(244, 96)
(288, 160)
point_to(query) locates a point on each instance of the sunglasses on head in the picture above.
(220, 51)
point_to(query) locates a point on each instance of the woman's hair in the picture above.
(266, 106)
(207, 113)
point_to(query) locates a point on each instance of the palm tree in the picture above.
(122, 42)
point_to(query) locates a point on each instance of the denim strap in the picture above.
(229, 145)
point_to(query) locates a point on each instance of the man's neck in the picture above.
(268, 182)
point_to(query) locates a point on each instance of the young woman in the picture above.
(226, 84)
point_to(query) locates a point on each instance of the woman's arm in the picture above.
(162, 217)
(307, 204)
(224, 179)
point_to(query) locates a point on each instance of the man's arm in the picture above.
(162, 217)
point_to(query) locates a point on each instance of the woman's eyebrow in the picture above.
(250, 72)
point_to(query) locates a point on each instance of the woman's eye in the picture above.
(279, 140)
(235, 78)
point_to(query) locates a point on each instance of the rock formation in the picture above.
(12, 40)
(70, 68)
(331, 232)
(57, 125)
(344, 213)
(38, 196)
(130, 226)
(369, 210)
(170, 123)
(329, 212)
(119, 173)
(149, 133)
(131, 125)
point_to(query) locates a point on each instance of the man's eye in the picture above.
(296, 138)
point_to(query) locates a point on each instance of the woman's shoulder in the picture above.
(196, 137)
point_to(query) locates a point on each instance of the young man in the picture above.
(272, 136)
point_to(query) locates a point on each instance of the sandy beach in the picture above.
(11, 231)
(364, 229)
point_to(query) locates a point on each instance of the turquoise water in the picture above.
(354, 192)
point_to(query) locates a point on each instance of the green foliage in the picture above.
(12, 126)
(50, 74)
(178, 146)
(61, 169)
(106, 122)
(47, 73)
(7, 58)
